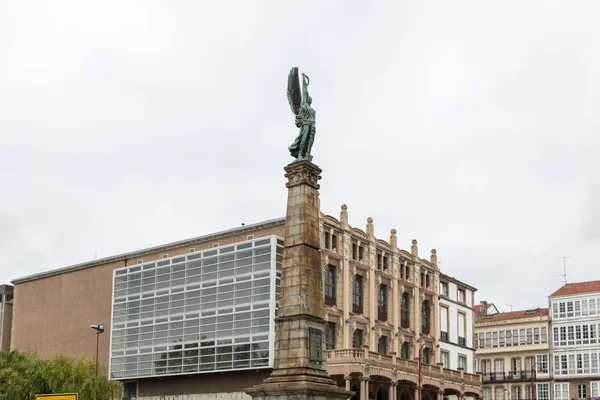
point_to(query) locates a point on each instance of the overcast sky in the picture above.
(470, 126)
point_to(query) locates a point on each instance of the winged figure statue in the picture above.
(300, 103)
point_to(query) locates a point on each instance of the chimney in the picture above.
(483, 309)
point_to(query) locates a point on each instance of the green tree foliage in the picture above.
(24, 375)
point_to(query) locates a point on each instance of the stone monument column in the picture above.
(299, 372)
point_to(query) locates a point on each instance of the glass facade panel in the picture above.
(203, 312)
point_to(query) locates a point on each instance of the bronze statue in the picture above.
(300, 103)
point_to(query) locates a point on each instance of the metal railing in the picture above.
(444, 336)
(462, 341)
(357, 309)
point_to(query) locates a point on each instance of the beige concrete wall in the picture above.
(6, 327)
(52, 315)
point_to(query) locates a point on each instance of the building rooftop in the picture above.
(577, 288)
(150, 250)
(505, 316)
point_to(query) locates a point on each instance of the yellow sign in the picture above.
(69, 396)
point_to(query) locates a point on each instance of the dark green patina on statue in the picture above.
(300, 103)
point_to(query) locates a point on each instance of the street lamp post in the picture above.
(99, 328)
(420, 359)
(533, 378)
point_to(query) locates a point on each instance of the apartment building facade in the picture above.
(575, 311)
(513, 353)
(456, 323)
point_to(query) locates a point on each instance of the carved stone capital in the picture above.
(347, 377)
(303, 173)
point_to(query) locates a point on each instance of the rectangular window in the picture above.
(357, 293)
(529, 336)
(444, 323)
(405, 310)
(487, 393)
(522, 337)
(502, 338)
(563, 335)
(382, 345)
(562, 310)
(515, 336)
(516, 366)
(544, 334)
(595, 389)
(379, 261)
(361, 253)
(555, 310)
(425, 317)
(405, 351)
(577, 334)
(499, 393)
(444, 289)
(330, 289)
(571, 335)
(354, 251)
(516, 393)
(462, 328)
(494, 339)
(330, 336)
(327, 240)
(564, 367)
(462, 362)
(569, 308)
(499, 370)
(543, 391)
(584, 307)
(357, 339)
(542, 363)
(577, 308)
(486, 366)
(445, 359)
(333, 241)
(385, 262)
(488, 339)
(536, 335)
(561, 391)
(461, 296)
(594, 357)
(382, 295)
(582, 391)
(571, 364)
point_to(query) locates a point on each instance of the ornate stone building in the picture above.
(382, 306)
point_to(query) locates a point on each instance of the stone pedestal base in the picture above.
(298, 390)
